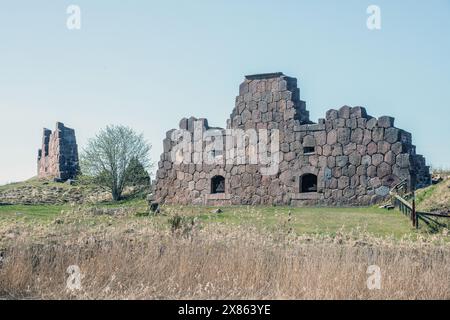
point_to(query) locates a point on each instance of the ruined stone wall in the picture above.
(354, 157)
(58, 158)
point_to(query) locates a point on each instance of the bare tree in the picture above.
(108, 156)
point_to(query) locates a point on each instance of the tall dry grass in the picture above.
(219, 262)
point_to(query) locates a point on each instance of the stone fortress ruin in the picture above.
(348, 158)
(58, 158)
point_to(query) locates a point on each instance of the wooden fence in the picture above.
(409, 209)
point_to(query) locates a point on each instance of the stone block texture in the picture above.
(347, 158)
(58, 158)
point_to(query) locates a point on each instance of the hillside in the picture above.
(435, 197)
(38, 191)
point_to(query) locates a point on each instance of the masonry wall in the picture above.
(355, 157)
(58, 158)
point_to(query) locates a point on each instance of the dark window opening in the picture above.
(308, 183)
(217, 185)
(309, 150)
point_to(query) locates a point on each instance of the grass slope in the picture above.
(311, 220)
(326, 221)
(34, 182)
(434, 198)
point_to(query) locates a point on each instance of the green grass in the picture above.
(425, 193)
(310, 220)
(49, 212)
(30, 212)
(434, 198)
(132, 202)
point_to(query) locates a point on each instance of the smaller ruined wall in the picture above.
(58, 158)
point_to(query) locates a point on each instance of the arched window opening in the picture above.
(308, 183)
(217, 185)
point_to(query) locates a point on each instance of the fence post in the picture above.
(417, 220)
(414, 214)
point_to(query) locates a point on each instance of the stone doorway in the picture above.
(308, 183)
(217, 185)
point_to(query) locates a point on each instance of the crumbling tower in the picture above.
(58, 158)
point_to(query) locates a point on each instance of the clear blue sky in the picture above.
(147, 64)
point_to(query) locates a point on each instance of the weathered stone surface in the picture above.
(383, 170)
(339, 123)
(337, 172)
(341, 161)
(344, 112)
(377, 134)
(349, 148)
(358, 112)
(372, 123)
(354, 181)
(403, 161)
(309, 141)
(391, 135)
(372, 171)
(320, 138)
(385, 122)
(331, 162)
(383, 147)
(348, 192)
(361, 149)
(326, 150)
(58, 158)
(332, 137)
(361, 170)
(355, 159)
(366, 160)
(390, 180)
(382, 191)
(343, 135)
(357, 135)
(183, 124)
(362, 123)
(390, 158)
(372, 148)
(375, 182)
(351, 123)
(332, 114)
(343, 182)
(367, 137)
(397, 148)
(377, 159)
